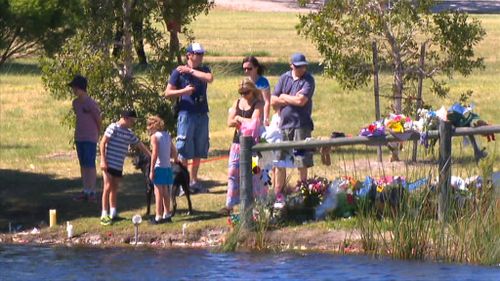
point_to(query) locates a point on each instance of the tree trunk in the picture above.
(376, 92)
(137, 28)
(398, 85)
(419, 95)
(127, 44)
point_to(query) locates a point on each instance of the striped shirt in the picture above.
(117, 146)
(164, 143)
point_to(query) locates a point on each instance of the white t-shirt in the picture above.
(164, 141)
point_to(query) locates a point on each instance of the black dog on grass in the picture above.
(181, 180)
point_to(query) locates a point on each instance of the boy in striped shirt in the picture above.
(114, 147)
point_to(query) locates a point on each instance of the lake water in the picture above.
(67, 263)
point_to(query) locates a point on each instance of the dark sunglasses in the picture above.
(247, 68)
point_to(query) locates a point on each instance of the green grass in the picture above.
(39, 169)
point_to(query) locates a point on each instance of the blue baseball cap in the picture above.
(196, 48)
(299, 59)
(79, 82)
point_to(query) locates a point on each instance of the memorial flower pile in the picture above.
(313, 191)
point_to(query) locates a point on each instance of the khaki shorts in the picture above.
(302, 158)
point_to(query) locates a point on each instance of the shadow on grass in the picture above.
(19, 68)
(220, 68)
(197, 216)
(26, 197)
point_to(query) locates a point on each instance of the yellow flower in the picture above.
(380, 188)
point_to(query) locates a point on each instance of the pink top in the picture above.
(87, 117)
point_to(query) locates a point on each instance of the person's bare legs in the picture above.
(280, 180)
(303, 174)
(106, 190)
(159, 201)
(193, 170)
(89, 178)
(113, 193)
(166, 200)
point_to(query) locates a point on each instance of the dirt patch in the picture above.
(339, 241)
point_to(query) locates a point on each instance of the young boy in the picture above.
(114, 147)
(88, 126)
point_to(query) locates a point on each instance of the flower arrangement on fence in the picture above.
(428, 120)
(375, 129)
(398, 123)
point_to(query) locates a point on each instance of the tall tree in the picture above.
(30, 26)
(344, 30)
(111, 79)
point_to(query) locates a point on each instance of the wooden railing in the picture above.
(444, 134)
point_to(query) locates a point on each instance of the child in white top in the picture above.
(162, 149)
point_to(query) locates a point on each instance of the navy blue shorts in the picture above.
(86, 151)
(163, 176)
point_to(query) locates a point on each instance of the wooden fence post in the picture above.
(445, 133)
(246, 189)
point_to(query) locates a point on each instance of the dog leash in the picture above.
(211, 159)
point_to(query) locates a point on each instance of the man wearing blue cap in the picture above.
(293, 95)
(188, 84)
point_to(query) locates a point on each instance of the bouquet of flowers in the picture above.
(347, 188)
(400, 126)
(375, 129)
(313, 191)
(428, 121)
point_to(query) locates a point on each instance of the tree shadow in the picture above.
(20, 68)
(26, 197)
(197, 215)
(232, 68)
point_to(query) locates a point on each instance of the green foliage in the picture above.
(89, 53)
(29, 26)
(343, 32)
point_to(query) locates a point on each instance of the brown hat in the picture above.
(248, 85)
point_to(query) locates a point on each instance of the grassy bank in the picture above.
(39, 170)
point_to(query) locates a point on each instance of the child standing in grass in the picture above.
(88, 125)
(114, 147)
(162, 149)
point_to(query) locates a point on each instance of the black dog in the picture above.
(181, 179)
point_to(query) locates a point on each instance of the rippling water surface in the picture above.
(63, 263)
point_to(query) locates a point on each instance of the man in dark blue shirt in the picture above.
(293, 95)
(188, 84)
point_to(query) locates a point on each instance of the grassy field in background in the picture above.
(39, 169)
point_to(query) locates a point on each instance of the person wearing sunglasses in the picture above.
(188, 84)
(254, 70)
(293, 95)
(247, 108)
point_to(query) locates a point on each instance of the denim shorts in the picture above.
(86, 151)
(163, 176)
(192, 135)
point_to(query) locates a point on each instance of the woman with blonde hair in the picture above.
(247, 108)
(162, 149)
